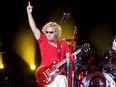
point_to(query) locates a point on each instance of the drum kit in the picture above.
(93, 73)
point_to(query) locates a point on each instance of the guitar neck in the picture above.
(61, 62)
(85, 46)
(77, 52)
(66, 59)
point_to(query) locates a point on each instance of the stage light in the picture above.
(24, 46)
(1, 61)
(32, 67)
(1, 66)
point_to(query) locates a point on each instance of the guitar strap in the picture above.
(59, 49)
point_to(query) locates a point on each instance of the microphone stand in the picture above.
(71, 69)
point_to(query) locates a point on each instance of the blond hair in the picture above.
(55, 26)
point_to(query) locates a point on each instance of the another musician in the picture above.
(51, 46)
(109, 59)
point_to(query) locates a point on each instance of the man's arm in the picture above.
(32, 24)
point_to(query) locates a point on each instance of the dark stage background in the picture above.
(95, 20)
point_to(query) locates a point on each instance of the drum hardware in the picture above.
(88, 73)
(111, 75)
(97, 81)
(83, 71)
(88, 64)
(101, 78)
(91, 73)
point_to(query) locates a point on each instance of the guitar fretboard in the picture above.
(62, 62)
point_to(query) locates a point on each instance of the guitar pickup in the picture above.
(48, 71)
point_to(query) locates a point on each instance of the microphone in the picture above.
(67, 16)
(64, 17)
(75, 29)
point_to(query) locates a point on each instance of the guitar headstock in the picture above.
(85, 47)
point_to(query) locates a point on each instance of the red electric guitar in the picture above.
(46, 74)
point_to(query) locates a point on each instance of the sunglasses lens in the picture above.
(51, 32)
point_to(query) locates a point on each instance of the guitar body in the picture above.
(46, 74)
